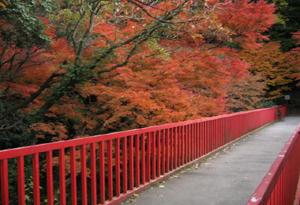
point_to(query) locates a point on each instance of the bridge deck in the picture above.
(226, 178)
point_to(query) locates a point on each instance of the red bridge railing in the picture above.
(108, 168)
(280, 184)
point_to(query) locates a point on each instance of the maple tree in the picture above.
(103, 66)
(269, 62)
(292, 60)
(78, 68)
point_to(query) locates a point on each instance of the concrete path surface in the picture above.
(228, 177)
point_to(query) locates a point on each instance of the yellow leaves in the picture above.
(157, 48)
(3, 4)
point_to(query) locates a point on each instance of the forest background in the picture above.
(73, 68)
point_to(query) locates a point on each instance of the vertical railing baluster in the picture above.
(110, 170)
(84, 197)
(143, 148)
(102, 172)
(131, 163)
(50, 194)
(153, 157)
(21, 181)
(117, 173)
(73, 175)
(167, 134)
(163, 151)
(93, 174)
(62, 177)
(4, 182)
(185, 144)
(159, 153)
(175, 131)
(36, 179)
(148, 165)
(137, 161)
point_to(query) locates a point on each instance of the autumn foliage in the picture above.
(132, 64)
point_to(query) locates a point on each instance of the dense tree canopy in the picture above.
(76, 68)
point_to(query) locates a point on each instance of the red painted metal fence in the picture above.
(109, 168)
(280, 184)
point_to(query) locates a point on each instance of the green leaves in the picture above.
(154, 45)
(23, 28)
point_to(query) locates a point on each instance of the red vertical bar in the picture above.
(83, 175)
(50, 195)
(185, 143)
(180, 145)
(199, 136)
(110, 170)
(125, 181)
(206, 142)
(148, 165)
(167, 150)
(143, 159)
(131, 164)
(203, 141)
(171, 135)
(21, 181)
(73, 176)
(159, 153)
(102, 172)
(213, 133)
(190, 142)
(118, 182)
(62, 179)
(218, 132)
(222, 131)
(4, 182)
(182, 141)
(93, 174)
(137, 161)
(36, 179)
(194, 141)
(210, 129)
(153, 135)
(197, 140)
(174, 131)
(163, 151)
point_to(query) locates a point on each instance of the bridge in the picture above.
(250, 157)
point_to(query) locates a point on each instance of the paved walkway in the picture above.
(226, 178)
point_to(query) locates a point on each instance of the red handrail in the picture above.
(280, 184)
(109, 168)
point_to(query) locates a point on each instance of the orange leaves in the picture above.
(296, 36)
(269, 62)
(248, 19)
(181, 71)
(292, 60)
(25, 90)
(55, 131)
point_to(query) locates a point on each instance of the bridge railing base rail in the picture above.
(106, 169)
